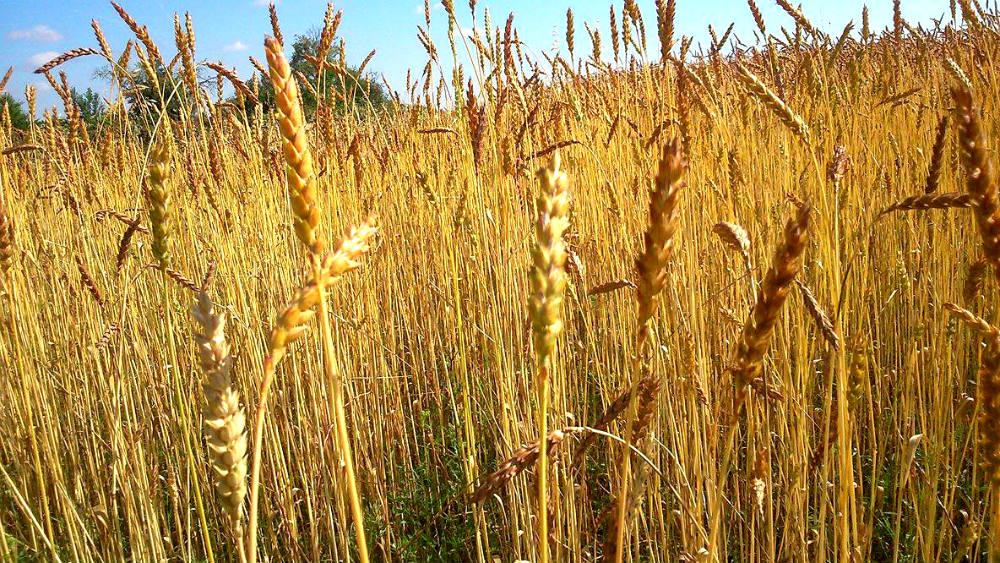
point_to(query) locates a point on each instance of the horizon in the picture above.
(32, 35)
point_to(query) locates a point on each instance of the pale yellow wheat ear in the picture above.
(974, 321)
(548, 277)
(158, 194)
(225, 421)
(773, 102)
(295, 144)
(548, 284)
(736, 238)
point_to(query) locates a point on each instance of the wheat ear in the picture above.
(548, 283)
(773, 102)
(159, 202)
(294, 143)
(6, 241)
(736, 238)
(651, 269)
(979, 172)
(932, 200)
(225, 420)
(771, 295)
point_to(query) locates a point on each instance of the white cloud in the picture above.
(39, 59)
(419, 10)
(42, 33)
(235, 46)
(42, 86)
(265, 3)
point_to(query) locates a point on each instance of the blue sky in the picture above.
(231, 30)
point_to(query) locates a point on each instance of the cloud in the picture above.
(419, 10)
(265, 3)
(39, 59)
(235, 46)
(41, 33)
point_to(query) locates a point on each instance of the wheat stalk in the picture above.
(290, 326)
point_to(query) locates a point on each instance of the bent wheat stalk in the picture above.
(290, 326)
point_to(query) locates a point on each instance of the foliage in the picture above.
(19, 118)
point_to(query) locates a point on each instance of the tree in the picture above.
(92, 108)
(348, 87)
(145, 99)
(19, 118)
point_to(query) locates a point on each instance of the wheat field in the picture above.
(745, 296)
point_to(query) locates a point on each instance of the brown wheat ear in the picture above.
(937, 157)
(771, 295)
(989, 421)
(89, 283)
(973, 285)
(522, 459)
(651, 270)
(818, 315)
(979, 173)
(923, 202)
(6, 241)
